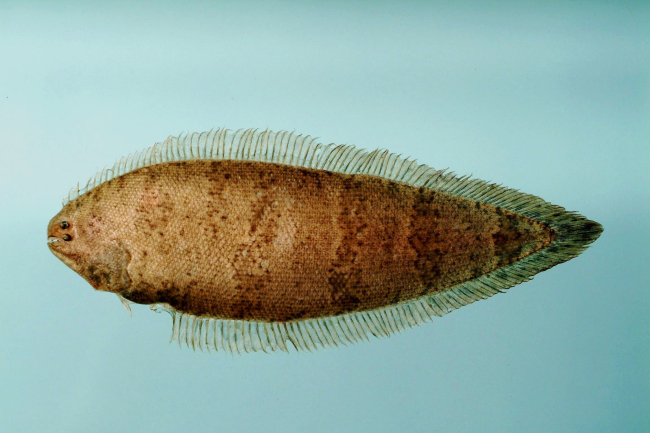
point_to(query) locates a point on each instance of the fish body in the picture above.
(264, 239)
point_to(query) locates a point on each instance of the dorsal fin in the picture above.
(267, 146)
(573, 234)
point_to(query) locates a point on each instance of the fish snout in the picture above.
(58, 232)
(53, 235)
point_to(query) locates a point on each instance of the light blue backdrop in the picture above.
(551, 98)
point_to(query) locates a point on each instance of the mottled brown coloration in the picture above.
(270, 242)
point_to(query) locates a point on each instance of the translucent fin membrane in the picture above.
(240, 336)
(265, 146)
(573, 234)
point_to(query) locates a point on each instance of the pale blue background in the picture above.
(552, 98)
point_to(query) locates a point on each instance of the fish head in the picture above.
(79, 238)
(65, 237)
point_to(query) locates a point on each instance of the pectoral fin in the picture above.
(108, 271)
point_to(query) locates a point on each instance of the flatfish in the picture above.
(254, 240)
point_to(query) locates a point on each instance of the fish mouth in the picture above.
(53, 240)
(56, 246)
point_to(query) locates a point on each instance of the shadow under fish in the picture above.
(254, 240)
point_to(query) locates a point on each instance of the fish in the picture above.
(271, 241)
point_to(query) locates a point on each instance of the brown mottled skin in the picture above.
(269, 242)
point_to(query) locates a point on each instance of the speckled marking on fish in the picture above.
(257, 240)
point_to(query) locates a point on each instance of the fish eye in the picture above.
(64, 225)
(66, 237)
